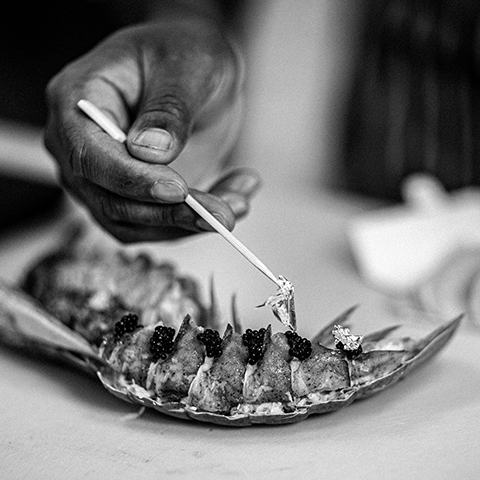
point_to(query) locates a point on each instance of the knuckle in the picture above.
(77, 154)
(51, 90)
(114, 209)
(127, 184)
(120, 210)
(162, 216)
(167, 216)
(171, 106)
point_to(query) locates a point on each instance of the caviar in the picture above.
(127, 324)
(161, 342)
(299, 347)
(212, 341)
(254, 340)
(349, 353)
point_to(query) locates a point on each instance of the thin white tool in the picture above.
(115, 132)
(227, 235)
(102, 120)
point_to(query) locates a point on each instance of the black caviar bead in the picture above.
(299, 347)
(353, 353)
(161, 342)
(212, 342)
(127, 324)
(254, 340)
(349, 353)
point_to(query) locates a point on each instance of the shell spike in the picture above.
(380, 334)
(431, 344)
(324, 336)
(183, 327)
(213, 320)
(237, 326)
(227, 335)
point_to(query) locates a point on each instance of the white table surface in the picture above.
(59, 423)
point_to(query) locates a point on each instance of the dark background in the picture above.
(37, 39)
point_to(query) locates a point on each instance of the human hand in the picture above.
(175, 88)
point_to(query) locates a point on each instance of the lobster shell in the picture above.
(33, 318)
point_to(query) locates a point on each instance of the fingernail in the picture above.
(201, 224)
(169, 191)
(237, 202)
(155, 138)
(245, 183)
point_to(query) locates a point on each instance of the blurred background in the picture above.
(40, 39)
(414, 103)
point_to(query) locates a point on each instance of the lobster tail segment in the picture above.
(172, 377)
(218, 384)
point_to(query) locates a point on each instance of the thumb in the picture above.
(161, 128)
(190, 86)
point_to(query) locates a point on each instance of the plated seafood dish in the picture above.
(152, 340)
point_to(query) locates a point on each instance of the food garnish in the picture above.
(350, 344)
(212, 341)
(254, 340)
(161, 342)
(300, 347)
(282, 303)
(127, 324)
